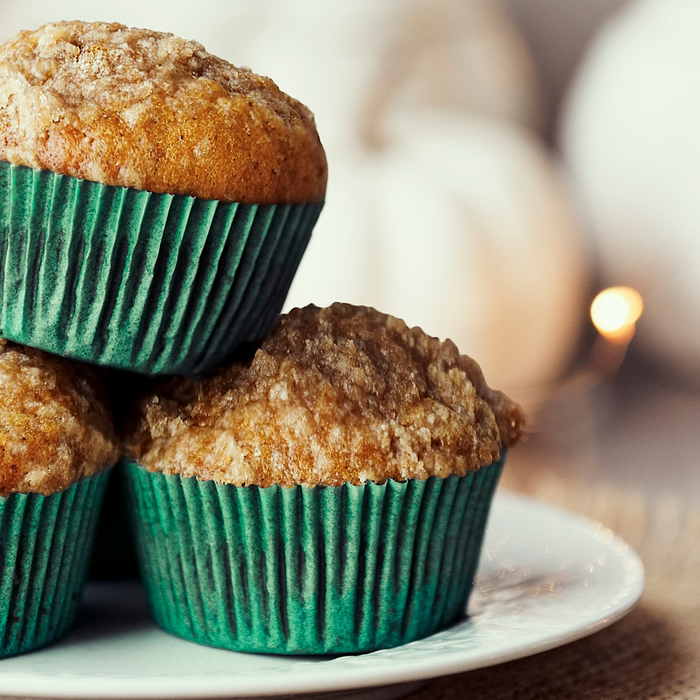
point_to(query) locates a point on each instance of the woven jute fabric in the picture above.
(654, 652)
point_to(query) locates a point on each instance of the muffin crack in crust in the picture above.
(55, 427)
(343, 394)
(143, 109)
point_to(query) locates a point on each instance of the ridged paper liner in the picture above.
(322, 570)
(45, 544)
(153, 283)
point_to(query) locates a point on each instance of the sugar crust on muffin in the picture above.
(342, 394)
(144, 109)
(55, 424)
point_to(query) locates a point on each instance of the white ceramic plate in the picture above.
(546, 578)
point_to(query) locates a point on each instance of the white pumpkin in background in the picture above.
(467, 232)
(478, 243)
(631, 135)
(440, 208)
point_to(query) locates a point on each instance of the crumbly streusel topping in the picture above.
(144, 109)
(55, 425)
(333, 395)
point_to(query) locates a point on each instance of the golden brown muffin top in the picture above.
(143, 109)
(332, 395)
(55, 426)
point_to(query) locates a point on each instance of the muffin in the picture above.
(329, 496)
(57, 441)
(156, 199)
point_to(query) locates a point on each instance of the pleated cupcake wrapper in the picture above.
(45, 544)
(153, 283)
(322, 570)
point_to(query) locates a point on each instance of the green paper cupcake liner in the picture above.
(322, 570)
(152, 283)
(45, 544)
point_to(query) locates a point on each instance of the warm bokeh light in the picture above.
(615, 311)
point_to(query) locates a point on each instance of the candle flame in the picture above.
(615, 311)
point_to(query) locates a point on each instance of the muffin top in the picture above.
(342, 394)
(148, 110)
(55, 426)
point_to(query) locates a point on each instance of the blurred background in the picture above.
(494, 164)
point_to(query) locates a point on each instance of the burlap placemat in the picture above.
(654, 652)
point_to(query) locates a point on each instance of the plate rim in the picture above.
(282, 682)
